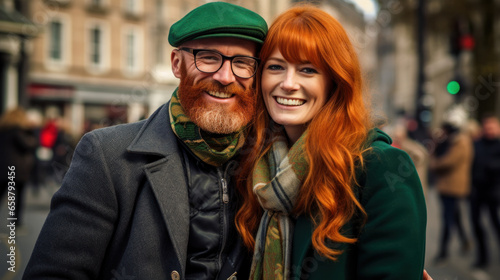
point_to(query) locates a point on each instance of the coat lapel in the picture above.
(171, 193)
(166, 177)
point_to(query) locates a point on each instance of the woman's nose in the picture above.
(290, 82)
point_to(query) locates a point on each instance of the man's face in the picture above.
(217, 102)
(491, 128)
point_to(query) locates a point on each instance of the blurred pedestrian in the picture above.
(417, 152)
(62, 151)
(17, 150)
(451, 163)
(47, 138)
(485, 192)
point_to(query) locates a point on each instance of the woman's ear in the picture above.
(176, 60)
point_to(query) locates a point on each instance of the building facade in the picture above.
(104, 62)
(90, 65)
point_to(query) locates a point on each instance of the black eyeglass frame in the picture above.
(224, 58)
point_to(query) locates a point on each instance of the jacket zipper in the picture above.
(225, 195)
(225, 199)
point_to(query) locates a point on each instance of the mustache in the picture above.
(218, 87)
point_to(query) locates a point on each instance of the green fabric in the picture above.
(212, 150)
(277, 178)
(273, 258)
(218, 19)
(391, 244)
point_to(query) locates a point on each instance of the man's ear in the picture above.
(176, 60)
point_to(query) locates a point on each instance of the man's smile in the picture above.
(218, 94)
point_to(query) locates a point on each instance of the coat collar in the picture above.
(166, 177)
(156, 136)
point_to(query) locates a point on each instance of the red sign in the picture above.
(50, 91)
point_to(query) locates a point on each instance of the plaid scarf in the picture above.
(277, 181)
(212, 150)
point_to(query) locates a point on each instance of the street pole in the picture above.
(422, 124)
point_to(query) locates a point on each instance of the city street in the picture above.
(458, 267)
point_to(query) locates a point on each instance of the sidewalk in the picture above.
(35, 212)
(458, 266)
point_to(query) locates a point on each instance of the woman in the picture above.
(338, 201)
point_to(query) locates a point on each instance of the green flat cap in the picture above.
(218, 19)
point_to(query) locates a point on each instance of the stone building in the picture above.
(91, 63)
(103, 62)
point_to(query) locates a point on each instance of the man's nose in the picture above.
(225, 75)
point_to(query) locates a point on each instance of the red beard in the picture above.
(213, 117)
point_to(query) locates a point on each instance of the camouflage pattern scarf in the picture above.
(212, 150)
(277, 179)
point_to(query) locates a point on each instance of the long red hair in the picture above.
(336, 135)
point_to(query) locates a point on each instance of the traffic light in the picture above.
(453, 87)
(457, 88)
(461, 37)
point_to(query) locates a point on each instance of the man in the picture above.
(485, 192)
(153, 199)
(451, 163)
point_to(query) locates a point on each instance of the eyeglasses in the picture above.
(208, 61)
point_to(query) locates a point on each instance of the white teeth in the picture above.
(289, 102)
(219, 94)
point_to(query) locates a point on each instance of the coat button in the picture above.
(175, 275)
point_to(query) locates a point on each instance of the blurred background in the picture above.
(70, 66)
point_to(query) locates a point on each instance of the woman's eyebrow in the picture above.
(277, 59)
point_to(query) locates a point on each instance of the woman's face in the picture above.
(293, 93)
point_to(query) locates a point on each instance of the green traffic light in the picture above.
(453, 87)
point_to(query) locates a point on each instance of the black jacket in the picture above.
(486, 169)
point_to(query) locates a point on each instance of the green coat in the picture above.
(391, 244)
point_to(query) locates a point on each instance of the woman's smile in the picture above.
(289, 101)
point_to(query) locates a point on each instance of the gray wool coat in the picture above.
(122, 211)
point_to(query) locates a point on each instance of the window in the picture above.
(132, 7)
(58, 43)
(55, 43)
(97, 53)
(95, 45)
(159, 10)
(101, 7)
(132, 50)
(160, 49)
